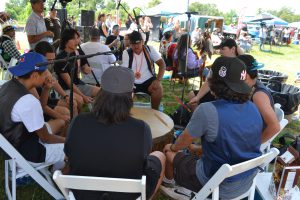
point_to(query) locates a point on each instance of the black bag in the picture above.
(182, 116)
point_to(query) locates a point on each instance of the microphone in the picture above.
(119, 2)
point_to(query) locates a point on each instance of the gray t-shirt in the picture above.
(35, 25)
(205, 122)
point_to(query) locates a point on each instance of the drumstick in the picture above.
(160, 119)
(182, 104)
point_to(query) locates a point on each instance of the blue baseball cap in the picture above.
(27, 63)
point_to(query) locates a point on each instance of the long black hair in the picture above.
(67, 35)
(110, 108)
(221, 91)
(182, 44)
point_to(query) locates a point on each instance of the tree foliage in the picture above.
(285, 13)
(205, 9)
(153, 3)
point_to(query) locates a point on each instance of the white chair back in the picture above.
(18, 159)
(212, 186)
(279, 112)
(68, 182)
(3, 66)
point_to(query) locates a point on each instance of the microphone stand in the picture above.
(120, 4)
(185, 77)
(71, 60)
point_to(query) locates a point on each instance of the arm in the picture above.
(193, 62)
(35, 38)
(67, 79)
(202, 92)
(183, 141)
(161, 68)
(261, 100)
(104, 29)
(49, 138)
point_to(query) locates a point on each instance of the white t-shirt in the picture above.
(137, 59)
(28, 110)
(98, 63)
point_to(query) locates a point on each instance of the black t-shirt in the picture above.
(96, 149)
(110, 39)
(63, 67)
(54, 26)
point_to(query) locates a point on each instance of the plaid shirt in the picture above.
(10, 48)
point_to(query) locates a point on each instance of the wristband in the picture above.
(65, 96)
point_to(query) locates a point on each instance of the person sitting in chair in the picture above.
(7, 44)
(21, 114)
(121, 143)
(217, 125)
(193, 62)
(261, 97)
(83, 93)
(141, 58)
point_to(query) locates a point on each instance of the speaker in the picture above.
(84, 32)
(87, 18)
(62, 15)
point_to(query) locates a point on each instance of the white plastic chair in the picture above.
(3, 66)
(7, 75)
(36, 173)
(225, 171)
(265, 147)
(68, 182)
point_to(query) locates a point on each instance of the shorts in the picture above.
(185, 171)
(152, 172)
(84, 88)
(144, 86)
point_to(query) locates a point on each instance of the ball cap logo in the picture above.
(222, 71)
(243, 75)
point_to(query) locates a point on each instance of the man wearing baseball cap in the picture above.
(230, 130)
(141, 58)
(22, 115)
(7, 44)
(121, 143)
(35, 26)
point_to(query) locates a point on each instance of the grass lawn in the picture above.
(283, 59)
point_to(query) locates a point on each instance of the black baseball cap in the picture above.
(233, 72)
(135, 37)
(228, 42)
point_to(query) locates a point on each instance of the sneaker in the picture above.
(177, 193)
(168, 183)
(25, 180)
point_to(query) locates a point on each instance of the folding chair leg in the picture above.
(47, 175)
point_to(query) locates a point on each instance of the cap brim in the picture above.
(258, 66)
(136, 42)
(20, 71)
(241, 88)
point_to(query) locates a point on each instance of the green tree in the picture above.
(153, 3)
(230, 17)
(205, 9)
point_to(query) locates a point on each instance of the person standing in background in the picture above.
(53, 24)
(35, 26)
(147, 25)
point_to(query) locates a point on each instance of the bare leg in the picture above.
(56, 125)
(95, 91)
(156, 95)
(162, 159)
(169, 173)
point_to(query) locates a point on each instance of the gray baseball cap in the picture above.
(117, 80)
